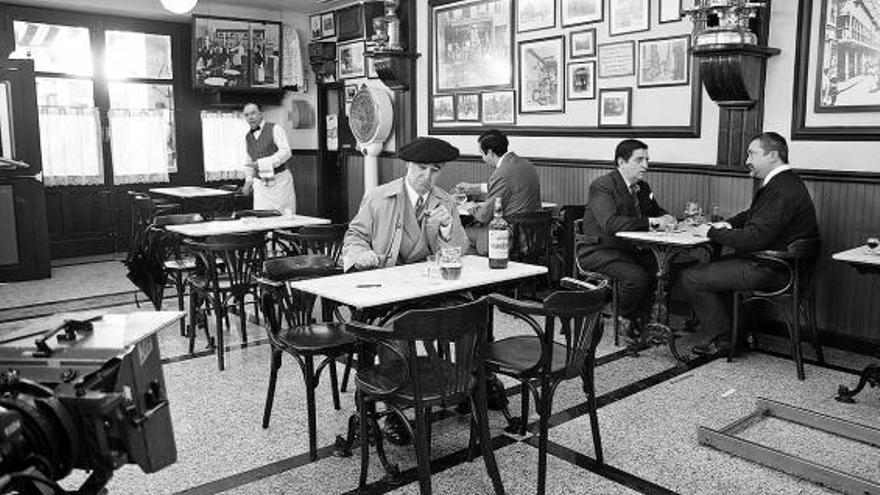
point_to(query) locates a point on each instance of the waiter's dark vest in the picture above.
(264, 146)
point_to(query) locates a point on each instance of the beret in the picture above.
(428, 150)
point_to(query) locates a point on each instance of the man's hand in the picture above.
(721, 225)
(702, 230)
(255, 169)
(438, 217)
(247, 188)
(468, 188)
(367, 260)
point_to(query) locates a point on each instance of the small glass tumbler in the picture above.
(873, 245)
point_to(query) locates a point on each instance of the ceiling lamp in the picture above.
(179, 6)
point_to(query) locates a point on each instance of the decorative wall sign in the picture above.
(328, 25)
(467, 107)
(498, 107)
(581, 80)
(628, 16)
(541, 76)
(617, 59)
(350, 59)
(532, 15)
(315, 25)
(472, 45)
(664, 61)
(582, 43)
(582, 11)
(444, 108)
(670, 11)
(615, 107)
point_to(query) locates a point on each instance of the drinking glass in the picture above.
(654, 224)
(873, 245)
(432, 267)
(450, 263)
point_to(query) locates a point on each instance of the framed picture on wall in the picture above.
(532, 15)
(628, 16)
(350, 90)
(350, 60)
(328, 25)
(664, 61)
(582, 43)
(617, 59)
(472, 45)
(498, 107)
(233, 53)
(467, 107)
(443, 108)
(315, 27)
(670, 11)
(615, 107)
(576, 12)
(581, 80)
(541, 76)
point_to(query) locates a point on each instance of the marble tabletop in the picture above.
(188, 192)
(245, 225)
(858, 255)
(464, 209)
(677, 237)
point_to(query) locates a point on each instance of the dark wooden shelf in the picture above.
(395, 67)
(733, 74)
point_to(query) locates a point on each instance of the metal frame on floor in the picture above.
(727, 441)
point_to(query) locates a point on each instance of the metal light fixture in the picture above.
(724, 21)
(179, 6)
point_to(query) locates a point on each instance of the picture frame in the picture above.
(542, 75)
(581, 80)
(467, 107)
(315, 27)
(371, 68)
(628, 16)
(670, 11)
(497, 107)
(615, 107)
(236, 54)
(664, 62)
(443, 108)
(350, 60)
(350, 90)
(350, 23)
(617, 59)
(582, 43)
(7, 127)
(456, 62)
(328, 25)
(534, 15)
(576, 12)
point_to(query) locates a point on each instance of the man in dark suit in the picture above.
(622, 201)
(514, 180)
(781, 212)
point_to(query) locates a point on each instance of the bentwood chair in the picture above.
(798, 262)
(542, 361)
(177, 261)
(531, 239)
(592, 276)
(323, 240)
(256, 213)
(227, 267)
(428, 358)
(303, 338)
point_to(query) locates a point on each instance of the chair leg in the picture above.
(478, 404)
(193, 320)
(221, 337)
(242, 317)
(524, 407)
(274, 364)
(543, 405)
(734, 327)
(181, 289)
(423, 458)
(334, 384)
(309, 373)
(810, 317)
(348, 364)
(614, 314)
(590, 389)
(796, 336)
(472, 434)
(364, 438)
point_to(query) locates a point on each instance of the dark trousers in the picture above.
(635, 275)
(709, 285)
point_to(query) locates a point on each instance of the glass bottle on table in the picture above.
(716, 215)
(499, 239)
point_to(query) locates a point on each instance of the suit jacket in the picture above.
(379, 224)
(516, 183)
(611, 209)
(781, 212)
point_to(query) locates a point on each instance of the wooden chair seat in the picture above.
(523, 352)
(432, 379)
(315, 338)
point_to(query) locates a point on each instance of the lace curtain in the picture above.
(142, 143)
(224, 148)
(70, 141)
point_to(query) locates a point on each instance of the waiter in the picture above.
(269, 175)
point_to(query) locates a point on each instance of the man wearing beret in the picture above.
(407, 219)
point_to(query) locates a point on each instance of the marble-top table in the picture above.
(245, 225)
(191, 192)
(464, 209)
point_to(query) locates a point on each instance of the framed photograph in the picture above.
(497, 107)
(350, 60)
(581, 80)
(7, 142)
(615, 107)
(350, 23)
(471, 45)
(315, 27)
(576, 12)
(664, 61)
(617, 59)
(235, 53)
(670, 11)
(582, 43)
(443, 108)
(371, 69)
(628, 16)
(532, 15)
(541, 76)
(350, 90)
(328, 25)
(467, 107)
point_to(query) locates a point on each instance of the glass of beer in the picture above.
(873, 245)
(450, 263)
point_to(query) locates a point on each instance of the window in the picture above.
(224, 145)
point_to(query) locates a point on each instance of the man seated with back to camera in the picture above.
(781, 212)
(620, 201)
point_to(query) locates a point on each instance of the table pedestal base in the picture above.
(344, 446)
(869, 376)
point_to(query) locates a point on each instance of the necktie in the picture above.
(634, 192)
(420, 210)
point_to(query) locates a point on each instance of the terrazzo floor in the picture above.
(649, 408)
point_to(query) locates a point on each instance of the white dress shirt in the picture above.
(773, 173)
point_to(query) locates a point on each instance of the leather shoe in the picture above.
(633, 331)
(395, 431)
(712, 348)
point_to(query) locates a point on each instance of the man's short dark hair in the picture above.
(626, 148)
(493, 140)
(259, 107)
(771, 141)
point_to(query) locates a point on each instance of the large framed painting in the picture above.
(350, 60)
(235, 53)
(498, 107)
(472, 45)
(532, 15)
(615, 107)
(837, 79)
(664, 61)
(541, 75)
(576, 12)
(628, 16)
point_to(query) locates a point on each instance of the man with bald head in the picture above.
(269, 176)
